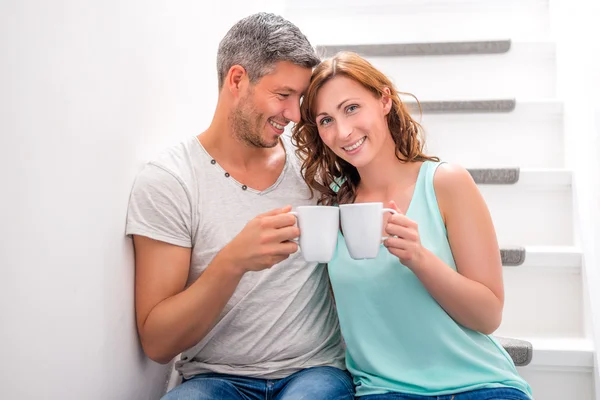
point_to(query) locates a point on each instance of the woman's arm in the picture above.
(473, 296)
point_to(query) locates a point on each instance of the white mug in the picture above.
(319, 227)
(362, 224)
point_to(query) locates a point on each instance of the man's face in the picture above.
(269, 105)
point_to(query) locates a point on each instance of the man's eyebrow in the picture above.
(286, 89)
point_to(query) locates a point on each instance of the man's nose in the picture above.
(292, 113)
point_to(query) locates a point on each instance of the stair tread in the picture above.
(513, 256)
(441, 105)
(553, 105)
(519, 350)
(538, 176)
(455, 47)
(552, 256)
(495, 176)
(537, 42)
(462, 47)
(562, 352)
(545, 177)
(462, 106)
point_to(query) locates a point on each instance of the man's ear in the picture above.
(236, 80)
(386, 100)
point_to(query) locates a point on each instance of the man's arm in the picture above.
(169, 318)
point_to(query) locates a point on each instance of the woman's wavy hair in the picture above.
(335, 179)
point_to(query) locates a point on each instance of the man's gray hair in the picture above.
(258, 42)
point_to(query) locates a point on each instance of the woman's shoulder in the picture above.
(453, 185)
(452, 177)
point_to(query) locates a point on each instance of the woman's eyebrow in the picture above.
(338, 106)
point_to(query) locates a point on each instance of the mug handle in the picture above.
(390, 210)
(297, 241)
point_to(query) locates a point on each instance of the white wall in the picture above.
(88, 92)
(576, 30)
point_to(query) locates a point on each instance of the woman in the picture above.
(416, 319)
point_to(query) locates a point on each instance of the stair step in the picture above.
(542, 257)
(419, 49)
(530, 177)
(562, 352)
(482, 74)
(462, 106)
(544, 177)
(552, 257)
(416, 21)
(495, 176)
(548, 284)
(537, 210)
(512, 257)
(535, 124)
(360, 7)
(520, 351)
(560, 369)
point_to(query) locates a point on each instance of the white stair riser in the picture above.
(542, 303)
(344, 7)
(405, 27)
(476, 76)
(418, 20)
(559, 384)
(529, 137)
(526, 215)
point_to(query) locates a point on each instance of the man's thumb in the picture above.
(277, 211)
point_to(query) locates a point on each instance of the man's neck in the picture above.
(220, 142)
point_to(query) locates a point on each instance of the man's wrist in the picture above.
(228, 264)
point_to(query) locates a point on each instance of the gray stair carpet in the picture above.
(462, 106)
(495, 176)
(513, 257)
(419, 49)
(520, 351)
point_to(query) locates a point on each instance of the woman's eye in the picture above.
(325, 121)
(351, 108)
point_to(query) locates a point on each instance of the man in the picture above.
(218, 277)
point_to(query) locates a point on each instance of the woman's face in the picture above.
(351, 120)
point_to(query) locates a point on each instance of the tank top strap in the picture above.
(424, 205)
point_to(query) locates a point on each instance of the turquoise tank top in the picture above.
(398, 338)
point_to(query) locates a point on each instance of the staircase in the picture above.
(486, 77)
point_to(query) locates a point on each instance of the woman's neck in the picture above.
(385, 173)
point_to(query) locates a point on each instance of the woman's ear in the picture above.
(386, 100)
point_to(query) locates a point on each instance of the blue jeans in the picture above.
(317, 383)
(480, 394)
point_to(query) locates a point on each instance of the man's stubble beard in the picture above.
(248, 124)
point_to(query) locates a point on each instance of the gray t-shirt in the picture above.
(279, 320)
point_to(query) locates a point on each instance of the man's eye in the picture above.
(283, 95)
